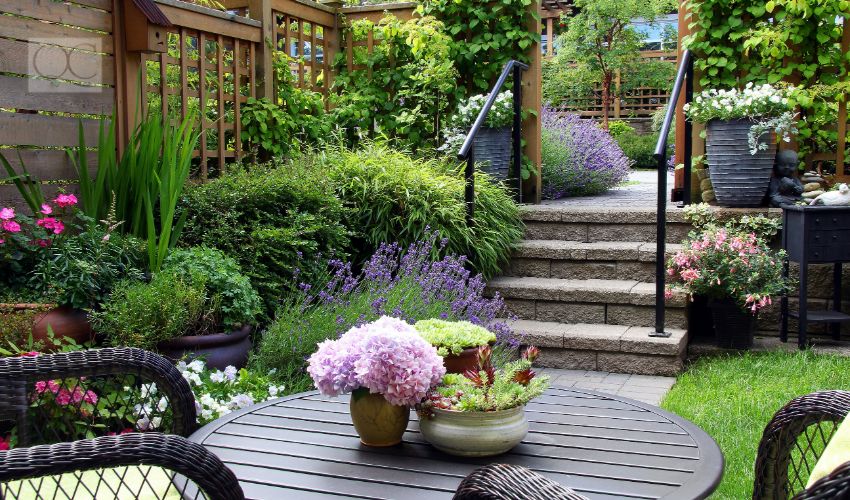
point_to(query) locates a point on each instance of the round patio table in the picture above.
(304, 446)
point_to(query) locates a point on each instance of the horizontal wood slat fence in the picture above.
(63, 63)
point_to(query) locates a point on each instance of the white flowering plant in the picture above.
(766, 106)
(217, 393)
(458, 125)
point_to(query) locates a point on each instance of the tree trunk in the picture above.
(606, 98)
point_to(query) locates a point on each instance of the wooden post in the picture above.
(616, 95)
(261, 10)
(128, 71)
(698, 142)
(532, 99)
(842, 105)
(550, 36)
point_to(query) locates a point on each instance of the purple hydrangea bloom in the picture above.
(386, 356)
(579, 158)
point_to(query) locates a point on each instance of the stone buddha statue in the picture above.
(785, 189)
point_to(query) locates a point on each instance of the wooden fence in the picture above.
(80, 61)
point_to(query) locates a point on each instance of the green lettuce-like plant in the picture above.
(452, 337)
(488, 389)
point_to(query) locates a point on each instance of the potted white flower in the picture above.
(742, 127)
(493, 141)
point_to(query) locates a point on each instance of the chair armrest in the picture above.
(835, 485)
(780, 437)
(174, 453)
(511, 482)
(18, 376)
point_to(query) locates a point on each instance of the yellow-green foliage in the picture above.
(452, 337)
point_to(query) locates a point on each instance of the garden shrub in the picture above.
(396, 197)
(640, 149)
(238, 302)
(579, 158)
(139, 314)
(407, 284)
(274, 220)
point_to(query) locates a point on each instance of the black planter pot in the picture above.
(733, 326)
(700, 322)
(493, 151)
(739, 178)
(219, 350)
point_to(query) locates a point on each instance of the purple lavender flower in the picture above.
(579, 158)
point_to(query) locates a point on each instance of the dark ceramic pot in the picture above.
(739, 179)
(733, 326)
(219, 350)
(65, 321)
(493, 151)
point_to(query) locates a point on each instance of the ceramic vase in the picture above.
(378, 422)
(474, 433)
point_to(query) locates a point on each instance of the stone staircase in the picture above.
(582, 286)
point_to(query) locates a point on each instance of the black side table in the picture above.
(815, 235)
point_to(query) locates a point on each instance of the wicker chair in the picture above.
(511, 482)
(792, 443)
(76, 417)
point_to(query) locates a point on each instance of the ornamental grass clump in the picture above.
(766, 106)
(720, 264)
(406, 284)
(579, 158)
(384, 357)
(452, 337)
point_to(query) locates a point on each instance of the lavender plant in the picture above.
(406, 284)
(579, 158)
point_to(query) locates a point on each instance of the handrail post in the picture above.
(689, 140)
(469, 193)
(517, 132)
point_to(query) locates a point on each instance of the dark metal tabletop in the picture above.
(304, 446)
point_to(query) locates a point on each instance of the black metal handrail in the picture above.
(684, 77)
(467, 150)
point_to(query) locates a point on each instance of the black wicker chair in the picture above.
(511, 482)
(76, 418)
(792, 443)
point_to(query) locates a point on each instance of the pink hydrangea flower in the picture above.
(11, 226)
(65, 200)
(46, 209)
(7, 213)
(386, 356)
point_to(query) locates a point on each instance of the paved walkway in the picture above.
(646, 388)
(641, 190)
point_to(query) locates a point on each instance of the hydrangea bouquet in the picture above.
(384, 357)
(766, 106)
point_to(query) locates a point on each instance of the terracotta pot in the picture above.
(474, 433)
(460, 363)
(377, 421)
(65, 321)
(219, 350)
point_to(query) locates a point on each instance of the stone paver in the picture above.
(641, 191)
(645, 388)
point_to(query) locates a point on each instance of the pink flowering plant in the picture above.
(386, 357)
(719, 263)
(23, 237)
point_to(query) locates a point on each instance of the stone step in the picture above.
(579, 260)
(610, 348)
(612, 302)
(551, 222)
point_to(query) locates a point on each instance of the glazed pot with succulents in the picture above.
(736, 271)
(482, 412)
(742, 128)
(456, 341)
(387, 367)
(199, 305)
(493, 141)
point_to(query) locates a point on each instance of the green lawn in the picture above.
(734, 397)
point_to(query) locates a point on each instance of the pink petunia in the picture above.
(46, 209)
(11, 226)
(65, 200)
(52, 224)
(7, 213)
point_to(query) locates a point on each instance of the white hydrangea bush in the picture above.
(768, 107)
(217, 393)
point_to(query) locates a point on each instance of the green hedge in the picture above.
(278, 221)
